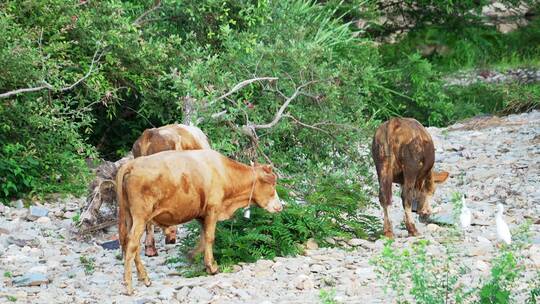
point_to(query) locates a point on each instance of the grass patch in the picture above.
(88, 264)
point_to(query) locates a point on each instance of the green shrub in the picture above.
(40, 152)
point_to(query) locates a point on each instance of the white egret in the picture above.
(503, 232)
(466, 215)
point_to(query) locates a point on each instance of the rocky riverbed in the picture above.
(490, 159)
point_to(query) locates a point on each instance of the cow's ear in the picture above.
(440, 177)
(267, 168)
(269, 178)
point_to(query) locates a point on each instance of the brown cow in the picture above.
(170, 137)
(174, 187)
(403, 152)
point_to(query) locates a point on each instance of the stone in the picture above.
(144, 301)
(35, 212)
(19, 204)
(534, 255)
(44, 220)
(311, 244)
(38, 269)
(507, 27)
(441, 219)
(166, 293)
(303, 282)
(110, 245)
(3, 231)
(432, 227)
(23, 241)
(31, 279)
(200, 294)
(355, 242)
(365, 274)
(482, 266)
(69, 214)
(318, 268)
(183, 293)
(330, 240)
(2, 208)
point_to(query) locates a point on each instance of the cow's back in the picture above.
(403, 143)
(172, 177)
(170, 137)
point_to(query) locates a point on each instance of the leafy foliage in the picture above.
(40, 152)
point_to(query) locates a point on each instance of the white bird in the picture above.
(503, 233)
(466, 215)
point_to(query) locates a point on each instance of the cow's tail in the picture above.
(124, 216)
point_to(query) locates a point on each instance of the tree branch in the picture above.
(279, 113)
(242, 84)
(50, 87)
(139, 20)
(26, 90)
(306, 125)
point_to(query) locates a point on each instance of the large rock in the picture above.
(311, 244)
(534, 255)
(166, 293)
(35, 212)
(31, 279)
(302, 282)
(200, 294)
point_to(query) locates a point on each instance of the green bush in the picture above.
(40, 152)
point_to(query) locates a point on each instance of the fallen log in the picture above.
(101, 209)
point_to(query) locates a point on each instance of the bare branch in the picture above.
(279, 113)
(94, 60)
(139, 20)
(306, 125)
(46, 85)
(27, 90)
(242, 84)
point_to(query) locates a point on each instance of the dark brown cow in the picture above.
(403, 152)
(170, 137)
(174, 187)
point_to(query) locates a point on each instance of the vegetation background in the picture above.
(95, 74)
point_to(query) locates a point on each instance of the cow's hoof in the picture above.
(389, 234)
(170, 240)
(413, 233)
(129, 291)
(147, 282)
(213, 269)
(150, 251)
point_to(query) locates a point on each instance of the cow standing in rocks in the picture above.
(170, 137)
(174, 187)
(403, 152)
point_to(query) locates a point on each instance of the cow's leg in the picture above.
(209, 236)
(200, 245)
(170, 235)
(385, 196)
(150, 242)
(141, 270)
(407, 196)
(132, 251)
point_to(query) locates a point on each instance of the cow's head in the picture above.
(264, 193)
(423, 196)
